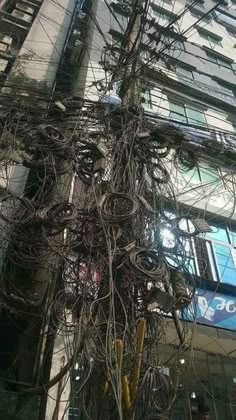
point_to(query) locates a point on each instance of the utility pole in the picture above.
(130, 88)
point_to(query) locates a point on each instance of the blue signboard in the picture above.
(213, 309)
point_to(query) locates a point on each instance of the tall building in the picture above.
(183, 73)
(34, 41)
(34, 36)
(187, 57)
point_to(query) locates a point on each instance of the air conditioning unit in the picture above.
(3, 64)
(5, 42)
(25, 9)
(22, 16)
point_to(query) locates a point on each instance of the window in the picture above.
(207, 377)
(195, 117)
(225, 90)
(204, 174)
(222, 253)
(199, 15)
(146, 99)
(161, 15)
(186, 114)
(221, 62)
(165, 15)
(212, 256)
(183, 71)
(231, 33)
(177, 112)
(210, 38)
(200, 4)
(184, 258)
(209, 174)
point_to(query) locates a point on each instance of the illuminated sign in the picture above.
(213, 309)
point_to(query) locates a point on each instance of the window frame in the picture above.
(197, 14)
(215, 59)
(161, 15)
(164, 14)
(215, 269)
(185, 114)
(209, 37)
(225, 89)
(185, 69)
(198, 173)
(201, 251)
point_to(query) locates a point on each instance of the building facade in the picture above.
(187, 52)
(188, 57)
(35, 37)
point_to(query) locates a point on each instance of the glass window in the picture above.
(231, 33)
(224, 63)
(232, 236)
(225, 89)
(196, 14)
(212, 255)
(222, 253)
(185, 72)
(218, 233)
(209, 174)
(206, 380)
(164, 14)
(218, 386)
(191, 176)
(195, 117)
(212, 58)
(200, 4)
(212, 40)
(177, 112)
(199, 15)
(225, 263)
(221, 62)
(161, 15)
(186, 114)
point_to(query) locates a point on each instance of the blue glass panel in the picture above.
(190, 266)
(225, 264)
(192, 175)
(232, 235)
(209, 174)
(184, 264)
(218, 234)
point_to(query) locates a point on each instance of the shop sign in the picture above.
(213, 309)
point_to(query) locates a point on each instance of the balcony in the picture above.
(227, 20)
(212, 92)
(11, 23)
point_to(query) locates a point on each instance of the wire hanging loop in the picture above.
(147, 262)
(117, 207)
